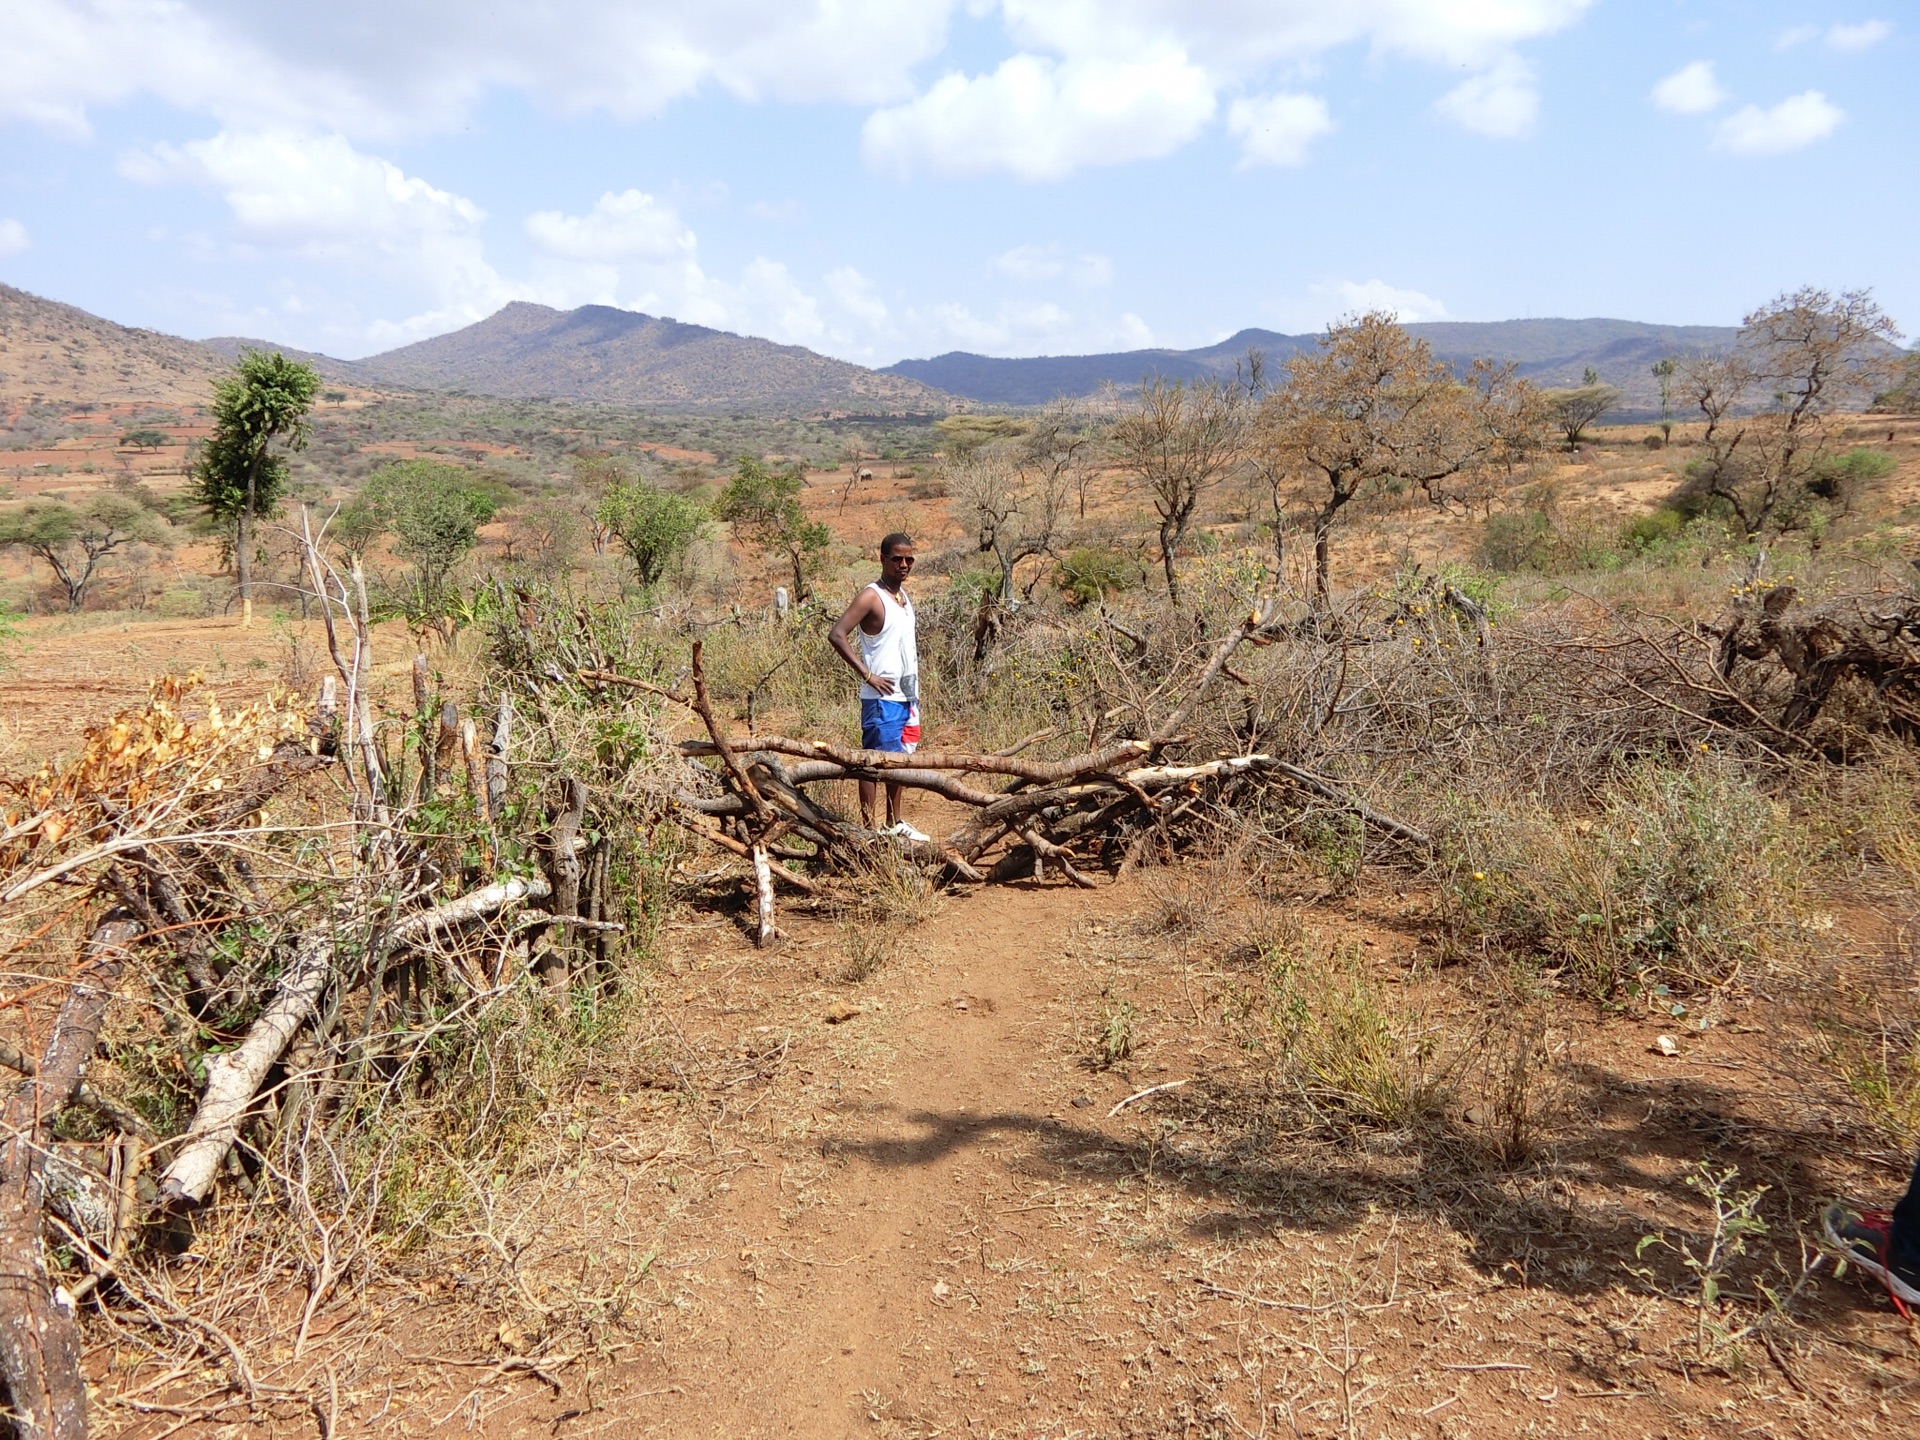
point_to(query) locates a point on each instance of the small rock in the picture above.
(940, 1291)
(1081, 1102)
(1476, 1116)
(840, 1012)
(1665, 1045)
(511, 1339)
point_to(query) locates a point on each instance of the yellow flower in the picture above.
(1480, 875)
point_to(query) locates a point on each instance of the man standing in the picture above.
(888, 664)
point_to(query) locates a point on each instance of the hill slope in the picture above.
(622, 357)
(61, 355)
(228, 347)
(1549, 352)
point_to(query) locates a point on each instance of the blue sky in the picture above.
(888, 178)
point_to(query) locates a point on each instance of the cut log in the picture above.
(416, 929)
(39, 1343)
(234, 1076)
(1038, 772)
(563, 865)
(763, 897)
(497, 757)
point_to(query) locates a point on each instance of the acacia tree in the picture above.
(1802, 356)
(1574, 410)
(75, 540)
(1014, 493)
(259, 414)
(1177, 440)
(654, 527)
(1370, 406)
(763, 506)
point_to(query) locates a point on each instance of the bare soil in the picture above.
(799, 1207)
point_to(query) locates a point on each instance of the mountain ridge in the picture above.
(1549, 351)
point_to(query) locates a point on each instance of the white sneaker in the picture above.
(907, 832)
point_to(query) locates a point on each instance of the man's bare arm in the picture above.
(840, 637)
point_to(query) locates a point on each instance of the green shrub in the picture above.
(1683, 878)
(1520, 540)
(1092, 572)
(1839, 478)
(1660, 530)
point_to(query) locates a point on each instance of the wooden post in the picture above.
(763, 894)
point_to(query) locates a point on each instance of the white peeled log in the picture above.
(765, 934)
(233, 1077)
(423, 925)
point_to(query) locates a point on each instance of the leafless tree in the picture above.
(1800, 358)
(1178, 440)
(1371, 406)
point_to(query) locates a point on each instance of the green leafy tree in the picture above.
(433, 512)
(1664, 371)
(763, 506)
(1814, 356)
(75, 540)
(259, 415)
(654, 527)
(144, 439)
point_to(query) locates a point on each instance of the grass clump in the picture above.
(1119, 1032)
(1340, 1039)
(1683, 878)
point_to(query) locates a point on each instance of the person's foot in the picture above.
(907, 832)
(1865, 1238)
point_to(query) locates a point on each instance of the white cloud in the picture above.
(1690, 90)
(1094, 82)
(629, 226)
(1793, 124)
(380, 69)
(1796, 35)
(1050, 262)
(855, 294)
(1358, 297)
(1862, 36)
(13, 237)
(1501, 102)
(1040, 119)
(1022, 327)
(317, 197)
(1107, 81)
(1277, 129)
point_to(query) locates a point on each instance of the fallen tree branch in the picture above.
(39, 1343)
(234, 1076)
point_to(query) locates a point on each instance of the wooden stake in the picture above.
(763, 891)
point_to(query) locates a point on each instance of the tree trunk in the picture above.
(39, 1343)
(1169, 543)
(243, 560)
(1322, 558)
(563, 863)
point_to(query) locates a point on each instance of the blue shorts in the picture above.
(890, 725)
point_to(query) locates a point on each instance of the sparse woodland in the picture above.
(288, 983)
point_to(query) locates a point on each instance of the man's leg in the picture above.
(868, 794)
(894, 817)
(1903, 1245)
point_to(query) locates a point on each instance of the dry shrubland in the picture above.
(334, 951)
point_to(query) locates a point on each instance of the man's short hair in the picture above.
(893, 542)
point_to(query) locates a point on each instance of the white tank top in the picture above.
(894, 652)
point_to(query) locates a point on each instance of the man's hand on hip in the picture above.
(881, 683)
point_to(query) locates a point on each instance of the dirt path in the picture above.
(923, 1221)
